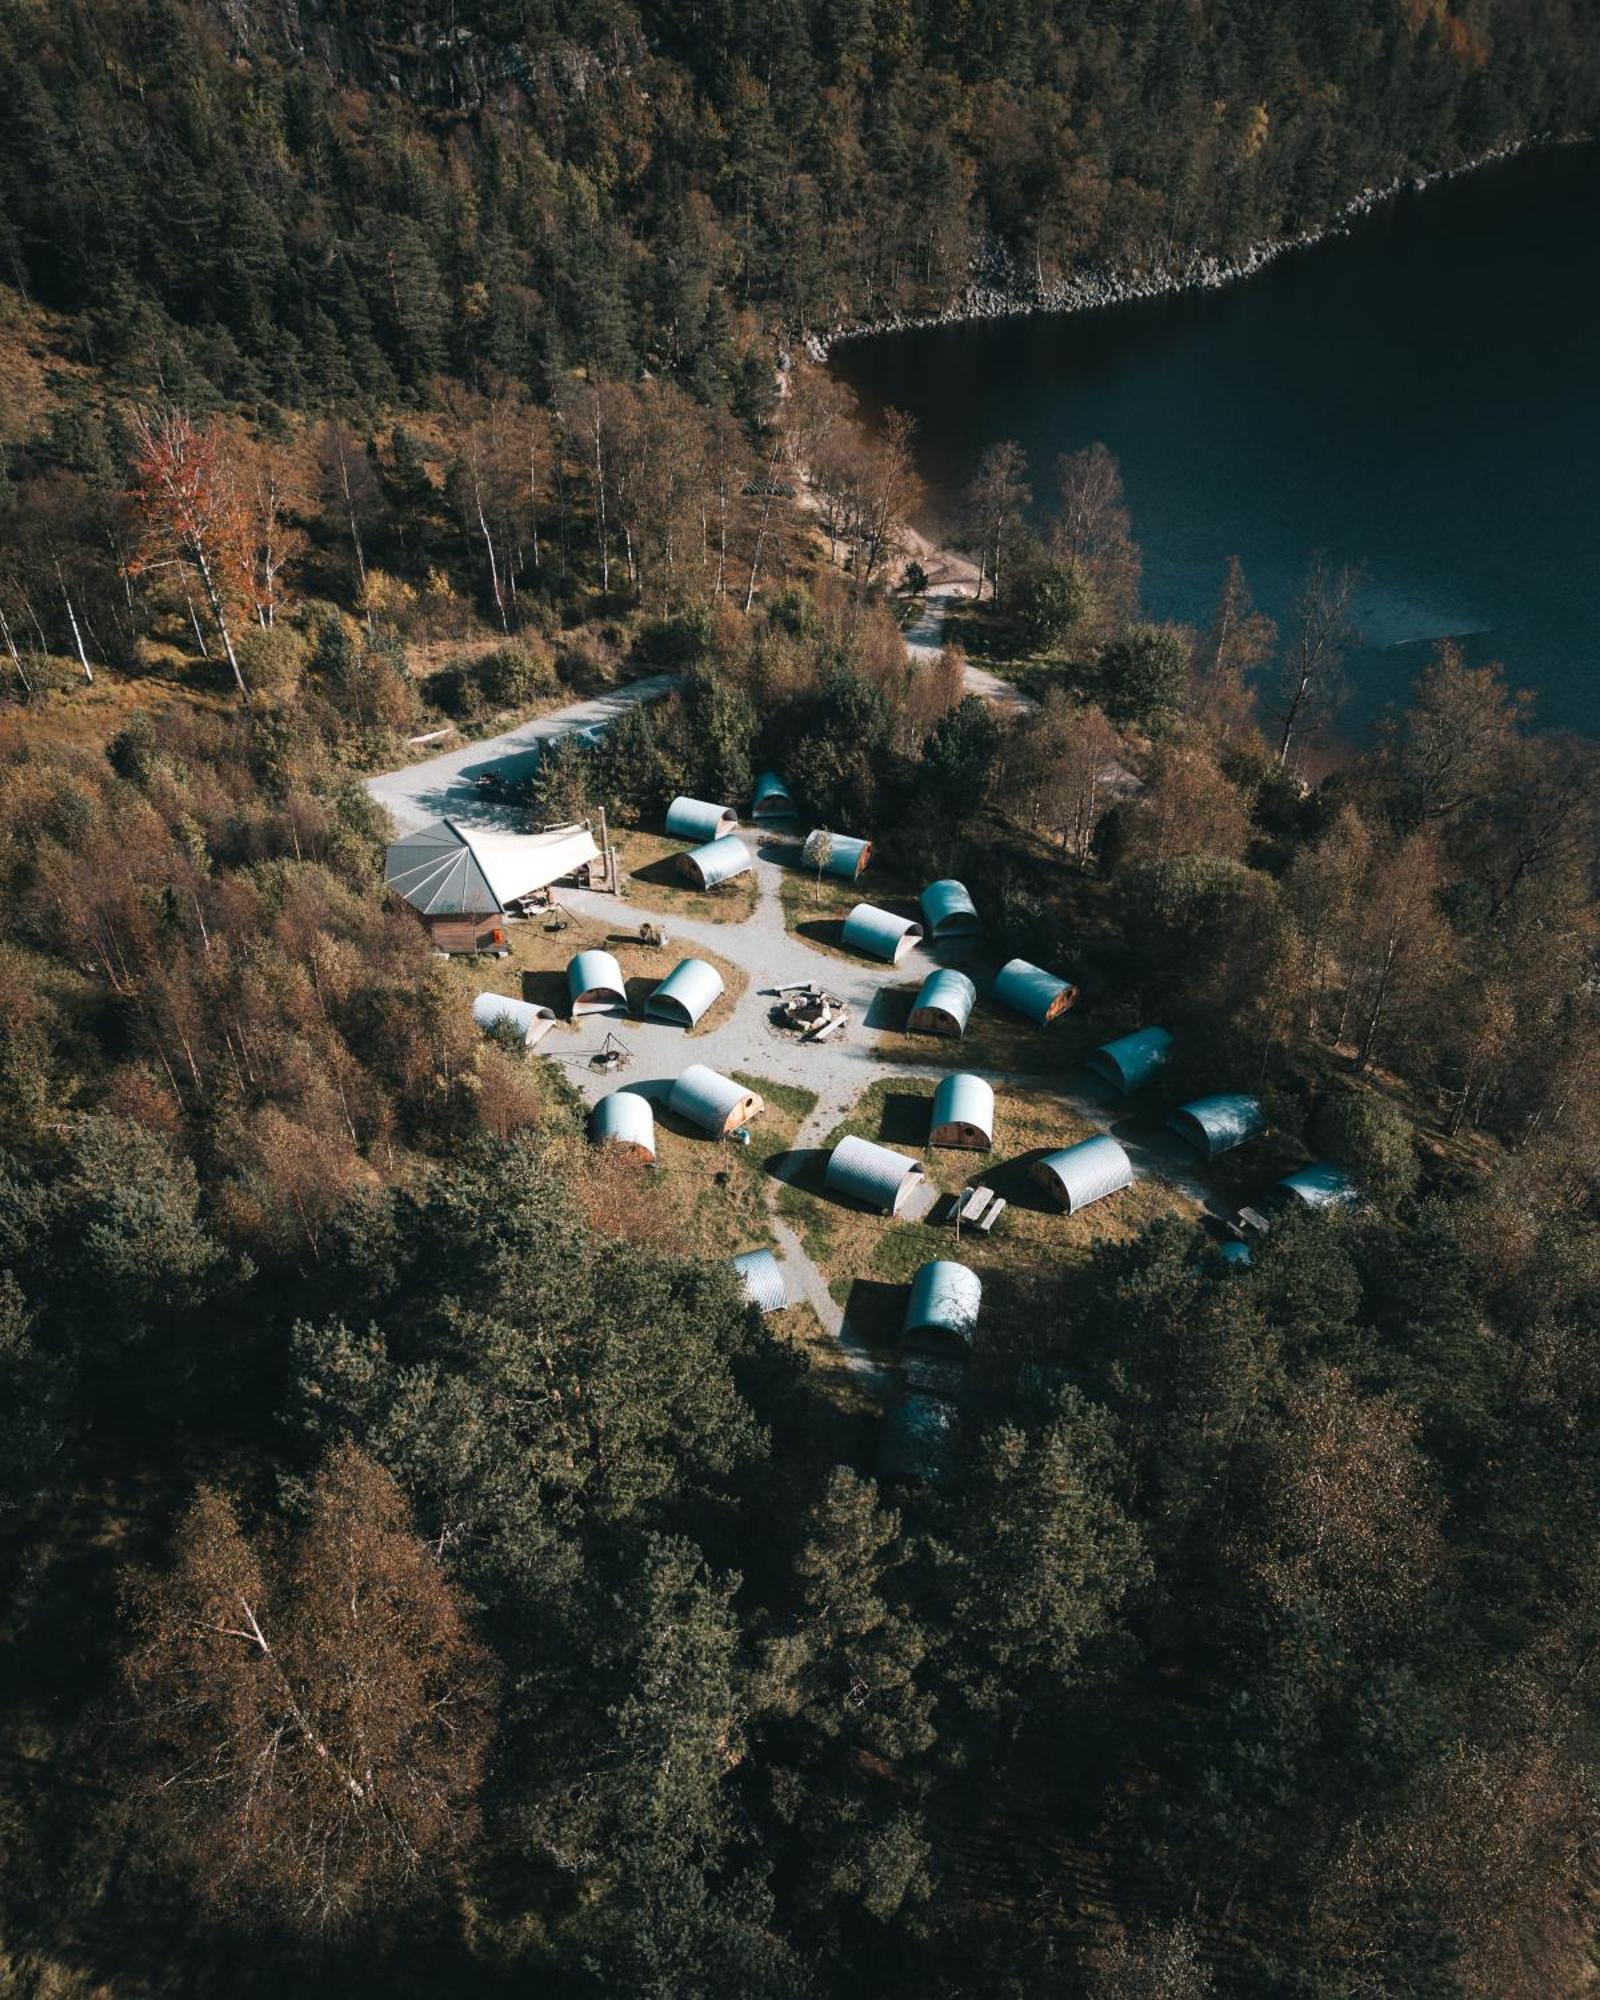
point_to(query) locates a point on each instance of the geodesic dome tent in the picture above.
(1077, 1175)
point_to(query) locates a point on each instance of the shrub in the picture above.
(1373, 1139)
(513, 675)
(272, 661)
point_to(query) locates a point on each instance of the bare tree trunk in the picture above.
(72, 620)
(198, 557)
(194, 620)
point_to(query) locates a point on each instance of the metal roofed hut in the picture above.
(698, 819)
(714, 1103)
(879, 933)
(874, 1175)
(944, 1005)
(1217, 1124)
(519, 1017)
(942, 1312)
(1132, 1060)
(772, 799)
(1030, 990)
(459, 881)
(948, 911)
(717, 862)
(595, 984)
(847, 858)
(760, 1278)
(624, 1119)
(688, 990)
(1320, 1185)
(1089, 1171)
(963, 1113)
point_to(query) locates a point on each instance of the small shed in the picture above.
(717, 862)
(942, 1312)
(963, 1113)
(944, 1005)
(460, 881)
(684, 995)
(948, 911)
(698, 819)
(879, 933)
(522, 1017)
(772, 799)
(1030, 990)
(1320, 1185)
(874, 1175)
(713, 1102)
(1133, 1059)
(1078, 1175)
(760, 1277)
(1214, 1125)
(625, 1120)
(847, 857)
(595, 984)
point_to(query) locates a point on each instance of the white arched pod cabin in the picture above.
(498, 1011)
(942, 1311)
(944, 1005)
(712, 1102)
(699, 819)
(874, 1175)
(717, 862)
(685, 994)
(879, 933)
(595, 985)
(1028, 989)
(625, 1121)
(963, 1114)
(1078, 1175)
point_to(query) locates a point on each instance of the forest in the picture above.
(421, 1576)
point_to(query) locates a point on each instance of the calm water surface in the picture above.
(1420, 398)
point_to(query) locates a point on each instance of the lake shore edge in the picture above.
(1084, 291)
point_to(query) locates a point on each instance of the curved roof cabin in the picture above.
(873, 1175)
(715, 1103)
(1320, 1185)
(717, 862)
(760, 1277)
(948, 911)
(684, 995)
(944, 1005)
(625, 1120)
(699, 819)
(1028, 989)
(879, 933)
(595, 984)
(1217, 1124)
(521, 1017)
(963, 1113)
(1132, 1060)
(942, 1312)
(847, 857)
(772, 799)
(1089, 1171)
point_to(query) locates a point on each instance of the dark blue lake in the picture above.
(1420, 398)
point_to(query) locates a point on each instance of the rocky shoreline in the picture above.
(996, 295)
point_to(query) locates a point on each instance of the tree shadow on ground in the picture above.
(874, 1311)
(905, 1119)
